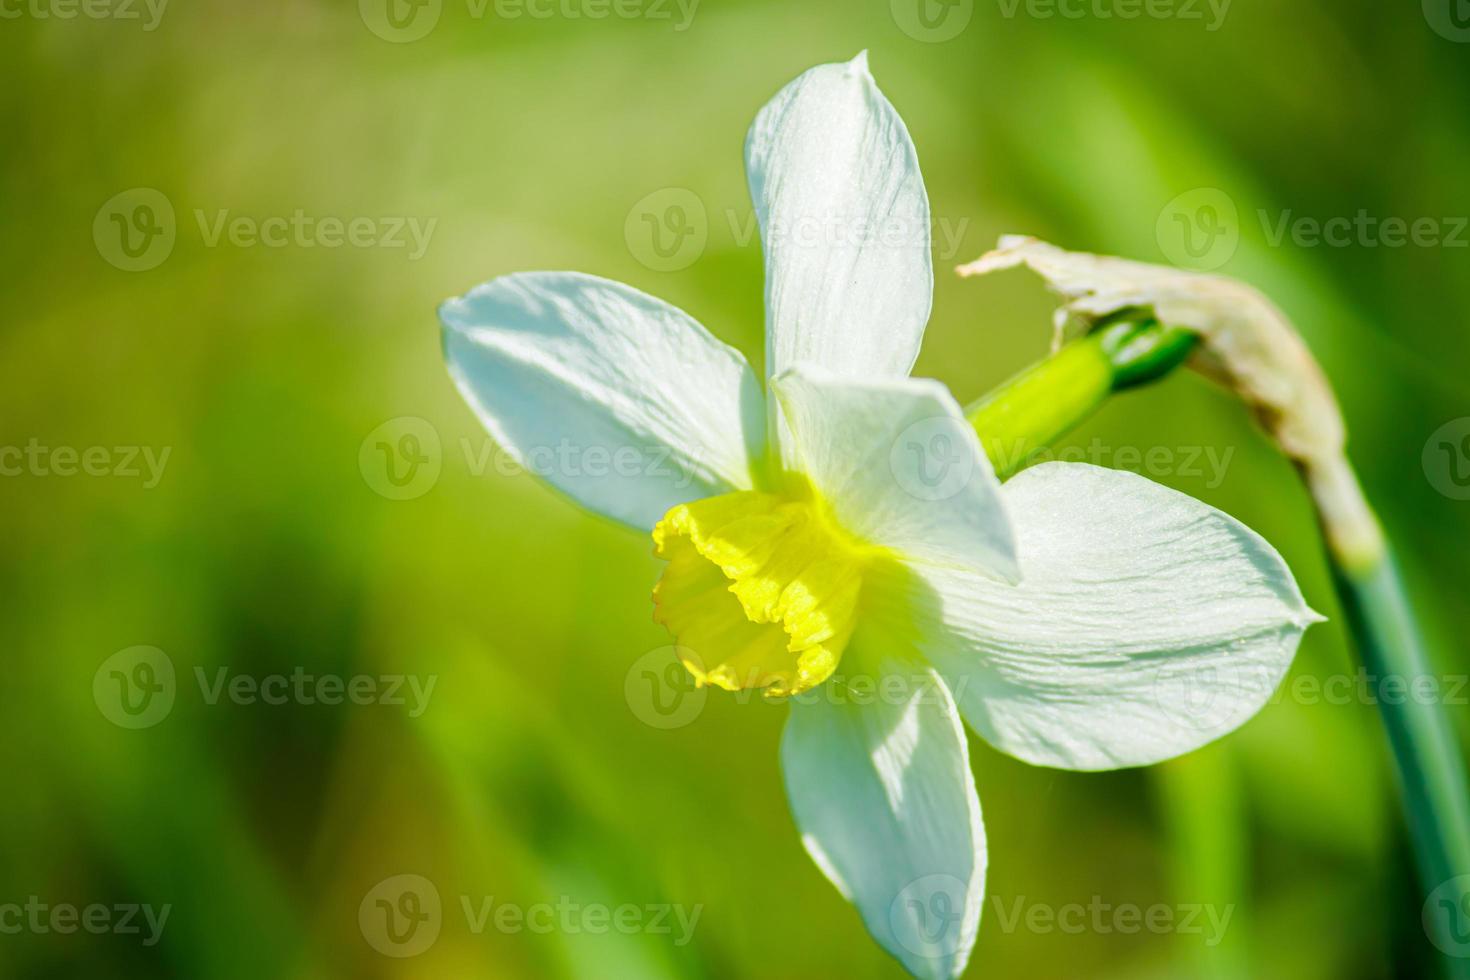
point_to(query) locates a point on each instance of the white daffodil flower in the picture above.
(1075, 617)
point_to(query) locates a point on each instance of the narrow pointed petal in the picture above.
(883, 796)
(618, 399)
(1145, 625)
(900, 468)
(844, 224)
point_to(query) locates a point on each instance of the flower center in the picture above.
(761, 590)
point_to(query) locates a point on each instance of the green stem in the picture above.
(1431, 770)
(1029, 412)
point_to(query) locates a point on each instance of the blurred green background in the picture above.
(271, 540)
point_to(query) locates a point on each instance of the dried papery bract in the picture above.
(1246, 344)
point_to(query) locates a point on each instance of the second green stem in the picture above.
(1029, 412)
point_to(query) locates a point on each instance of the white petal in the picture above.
(900, 467)
(844, 223)
(883, 796)
(1146, 623)
(619, 399)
